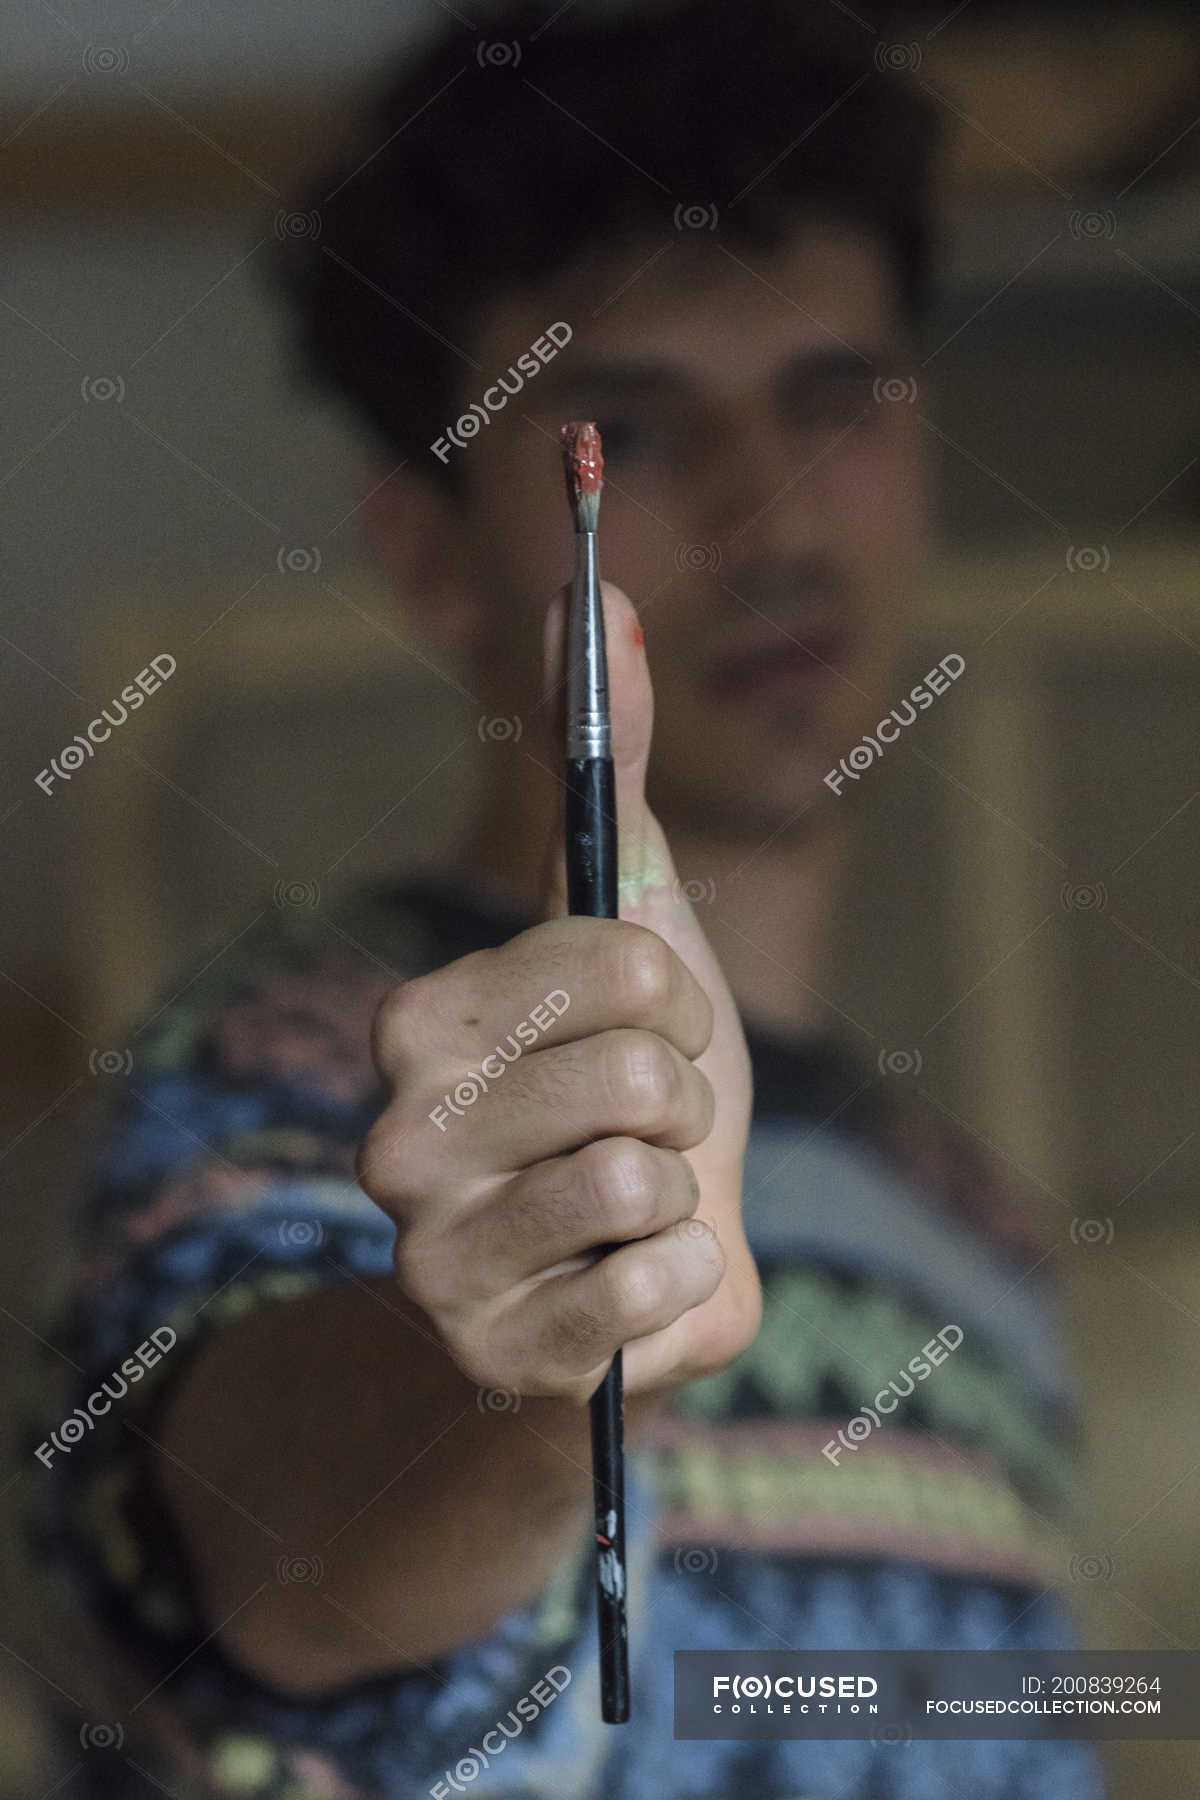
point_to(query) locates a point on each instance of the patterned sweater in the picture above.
(775, 1505)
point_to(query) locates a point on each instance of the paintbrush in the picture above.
(591, 845)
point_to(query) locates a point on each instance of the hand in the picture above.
(584, 1192)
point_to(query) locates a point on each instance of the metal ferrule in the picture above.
(588, 731)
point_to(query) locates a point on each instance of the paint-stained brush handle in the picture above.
(591, 856)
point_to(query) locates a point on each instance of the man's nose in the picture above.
(761, 493)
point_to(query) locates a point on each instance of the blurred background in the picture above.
(1024, 919)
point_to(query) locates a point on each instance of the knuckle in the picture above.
(388, 1162)
(372, 1158)
(396, 1022)
(422, 1271)
(642, 1078)
(479, 1362)
(643, 972)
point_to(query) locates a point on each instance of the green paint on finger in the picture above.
(650, 876)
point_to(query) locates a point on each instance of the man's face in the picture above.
(763, 505)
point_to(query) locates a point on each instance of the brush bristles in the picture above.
(583, 466)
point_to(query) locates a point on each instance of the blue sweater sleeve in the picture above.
(224, 1181)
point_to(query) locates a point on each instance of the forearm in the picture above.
(334, 1433)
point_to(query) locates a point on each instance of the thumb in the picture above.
(649, 891)
(650, 894)
(643, 859)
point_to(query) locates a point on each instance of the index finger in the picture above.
(560, 980)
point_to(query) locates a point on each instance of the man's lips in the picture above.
(781, 661)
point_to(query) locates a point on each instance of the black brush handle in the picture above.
(591, 841)
(591, 837)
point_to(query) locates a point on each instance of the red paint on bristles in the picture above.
(583, 462)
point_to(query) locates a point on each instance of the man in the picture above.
(333, 1522)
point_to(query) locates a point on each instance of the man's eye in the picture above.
(663, 435)
(623, 437)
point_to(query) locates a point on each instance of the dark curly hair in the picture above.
(489, 161)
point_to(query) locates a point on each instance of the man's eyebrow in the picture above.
(639, 379)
